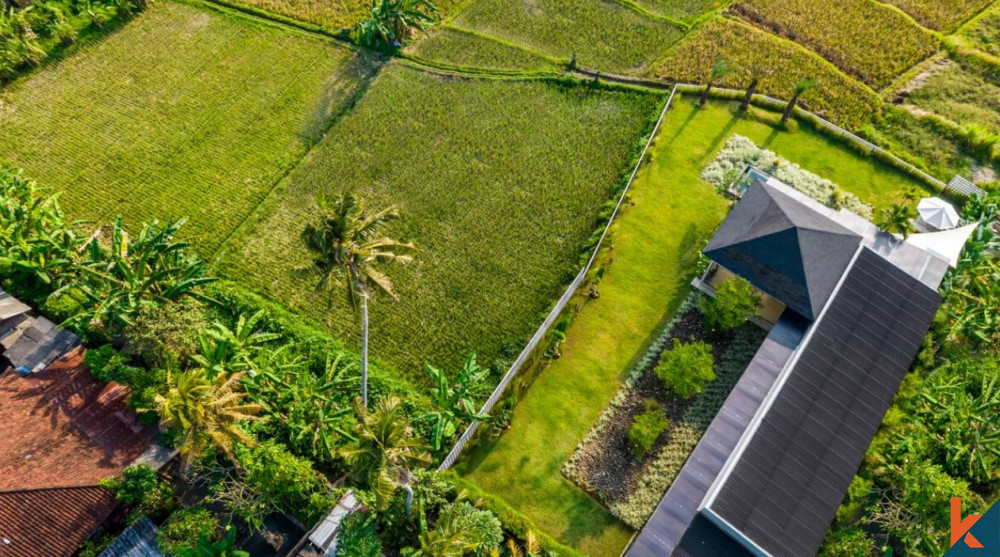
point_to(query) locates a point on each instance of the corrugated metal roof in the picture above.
(138, 540)
(325, 534)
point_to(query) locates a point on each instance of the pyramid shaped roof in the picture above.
(786, 246)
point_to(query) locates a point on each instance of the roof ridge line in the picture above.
(49, 488)
(779, 384)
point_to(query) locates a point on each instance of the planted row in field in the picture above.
(331, 14)
(499, 183)
(984, 33)
(459, 47)
(870, 41)
(681, 9)
(602, 33)
(941, 15)
(961, 96)
(778, 63)
(181, 113)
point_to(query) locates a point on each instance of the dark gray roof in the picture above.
(785, 486)
(704, 539)
(678, 510)
(784, 247)
(138, 540)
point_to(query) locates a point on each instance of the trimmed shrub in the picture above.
(687, 368)
(646, 429)
(184, 528)
(735, 300)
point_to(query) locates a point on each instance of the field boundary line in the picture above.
(348, 106)
(649, 14)
(274, 18)
(556, 311)
(760, 100)
(452, 26)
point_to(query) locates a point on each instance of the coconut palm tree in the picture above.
(896, 219)
(387, 450)
(721, 69)
(347, 246)
(206, 411)
(392, 21)
(801, 87)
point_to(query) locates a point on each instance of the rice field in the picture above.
(682, 9)
(459, 47)
(780, 63)
(183, 112)
(984, 32)
(960, 95)
(865, 39)
(333, 15)
(499, 183)
(941, 15)
(603, 34)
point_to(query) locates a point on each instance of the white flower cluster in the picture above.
(740, 151)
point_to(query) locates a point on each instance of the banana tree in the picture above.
(154, 268)
(454, 402)
(226, 350)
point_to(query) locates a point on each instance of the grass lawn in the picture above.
(498, 182)
(603, 34)
(182, 112)
(655, 247)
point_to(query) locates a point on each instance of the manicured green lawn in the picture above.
(498, 183)
(656, 243)
(183, 112)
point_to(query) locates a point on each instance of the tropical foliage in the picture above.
(207, 412)
(391, 22)
(119, 278)
(348, 248)
(453, 402)
(386, 452)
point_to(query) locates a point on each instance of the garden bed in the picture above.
(604, 465)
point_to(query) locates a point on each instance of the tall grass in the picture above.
(604, 34)
(499, 183)
(181, 113)
(941, 15)
(779, 63)
(867, 40)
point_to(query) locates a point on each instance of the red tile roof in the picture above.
(61, 432)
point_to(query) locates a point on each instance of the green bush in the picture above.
(646, 429)
(735, 300)
(286, 482)
(104, 363)
(358, 537)
(687, 368)
(63, 305)
(182, 530)
(853, 542)
(140, 487)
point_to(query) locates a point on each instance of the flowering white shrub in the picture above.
(740, 151)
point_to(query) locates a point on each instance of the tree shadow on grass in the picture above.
(687, 121)
(720, 137)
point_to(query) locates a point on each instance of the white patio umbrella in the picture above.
(938, 213)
